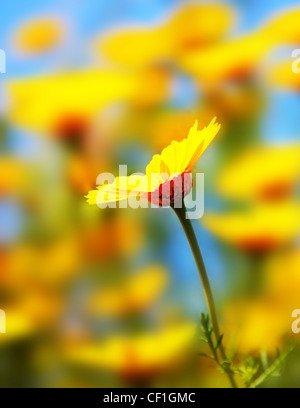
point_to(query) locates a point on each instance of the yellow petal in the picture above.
(119, 190)
(180, 157)
(177, 158)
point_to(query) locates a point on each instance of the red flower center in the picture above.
(172, 191)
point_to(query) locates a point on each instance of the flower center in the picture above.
(172, 191)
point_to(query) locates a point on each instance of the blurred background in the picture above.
(111, 298)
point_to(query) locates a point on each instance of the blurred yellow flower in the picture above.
(134, 295)
(61, 260)
(174, 161)
(284, 27)
(236, 102)
(283, 280)
(265, 173)
(171, 124)
(188, 28)
(142, 354)
(191, 26)
(54, 104)
(32, 312)
(39, 36)
(81, 172)
(50, 264)
(15, 173)
(256, 326)
(239, 58)
(135, 46)
(261, 228)
(282, 75)
(263, 323)
(234, 59)
(42, 307)
(120, 236)
(18, 326)
(157, 81)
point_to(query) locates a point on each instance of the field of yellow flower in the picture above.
(111, 297)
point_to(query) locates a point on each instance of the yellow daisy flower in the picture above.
(165, 184)
(169, 167)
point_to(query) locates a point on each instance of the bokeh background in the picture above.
(108, 298)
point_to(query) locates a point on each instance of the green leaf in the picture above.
(219, 342)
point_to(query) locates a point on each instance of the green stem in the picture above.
(271, 370)
(190, 234)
